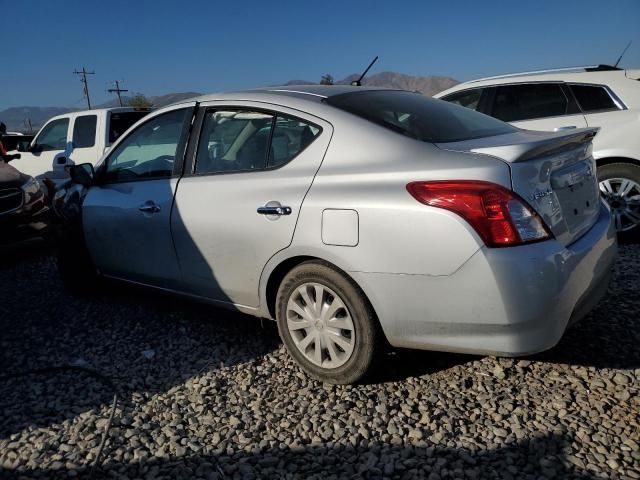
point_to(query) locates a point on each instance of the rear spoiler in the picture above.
(547, 144)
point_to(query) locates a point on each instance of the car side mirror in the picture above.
(83, 174)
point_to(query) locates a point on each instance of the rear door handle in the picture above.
(274, 210)
(566, 127)
(149, 207)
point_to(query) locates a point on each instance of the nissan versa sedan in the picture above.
(354, 217)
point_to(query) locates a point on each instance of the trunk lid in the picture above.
(554, 172)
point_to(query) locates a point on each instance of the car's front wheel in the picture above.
(620, 187)
(327, 324)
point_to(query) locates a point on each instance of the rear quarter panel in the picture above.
(366, 169)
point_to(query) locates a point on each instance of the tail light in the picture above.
(498, 215)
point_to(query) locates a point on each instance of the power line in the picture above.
(85, 84)
(118, 90)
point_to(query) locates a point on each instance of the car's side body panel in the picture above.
(511, 301)
(221, 240)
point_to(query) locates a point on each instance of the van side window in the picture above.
(53, 136)
(593, 98)
(84, 131)
(468, 98)
(529, 101)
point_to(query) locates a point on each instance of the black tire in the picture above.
(628, 171)
(75, 266)
(368, 335)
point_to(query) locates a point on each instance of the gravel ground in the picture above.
(212, 394)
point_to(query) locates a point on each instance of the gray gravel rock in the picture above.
(221, 399)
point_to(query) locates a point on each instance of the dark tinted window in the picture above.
(121, 121)
(524, 102)
(468, 98)
(418, 116)
(84, 131)
(53, 136)
(592, 98)
(16, 142)
(234, 140)
(150, 150)
(290, 137)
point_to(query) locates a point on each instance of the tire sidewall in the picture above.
(361, 314)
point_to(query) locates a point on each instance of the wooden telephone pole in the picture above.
(118, 90)
(83, 79)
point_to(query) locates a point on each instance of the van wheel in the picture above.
(327, 324)
(75, 266)
(620, 187)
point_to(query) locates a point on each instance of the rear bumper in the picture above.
(511, 301)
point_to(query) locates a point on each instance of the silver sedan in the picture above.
(353, 217)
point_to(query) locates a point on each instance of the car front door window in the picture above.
(149, 151)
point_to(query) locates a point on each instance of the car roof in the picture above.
(314, 93)
(601, 74)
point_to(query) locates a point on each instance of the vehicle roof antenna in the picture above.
(358, 83)
(622, 54)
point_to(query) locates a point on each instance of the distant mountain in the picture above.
(428, 85)
(14, 117)
(158, 101)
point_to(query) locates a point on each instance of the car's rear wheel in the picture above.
(327, 324)
(620, 187)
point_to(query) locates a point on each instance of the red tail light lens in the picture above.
(497, 214)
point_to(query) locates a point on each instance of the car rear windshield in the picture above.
(121, 121)
(420, 117)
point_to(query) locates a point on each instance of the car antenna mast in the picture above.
(622, 54)
(358, 83)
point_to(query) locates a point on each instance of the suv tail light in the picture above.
(498, 215)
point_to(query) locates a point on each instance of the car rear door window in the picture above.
(234, 141)
(84, 131)
(149, 151)
(593, 98)
(528, 101)
(468, 98)
(290, 137)
(53, 136)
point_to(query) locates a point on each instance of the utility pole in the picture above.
(84, 74)
(118, 90)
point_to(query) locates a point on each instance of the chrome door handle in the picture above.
(274, 210)
(149, 208)
(567, 127)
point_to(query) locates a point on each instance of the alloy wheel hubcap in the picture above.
(320, 325)
(623, 196)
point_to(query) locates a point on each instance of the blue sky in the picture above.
(160, 46)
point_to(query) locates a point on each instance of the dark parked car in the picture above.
(16, 142)
(24, 211)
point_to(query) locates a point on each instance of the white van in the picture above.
(74, 138)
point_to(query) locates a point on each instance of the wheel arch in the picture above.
(601, 162)
(284, 265)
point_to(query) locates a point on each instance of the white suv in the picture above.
(598, 96)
